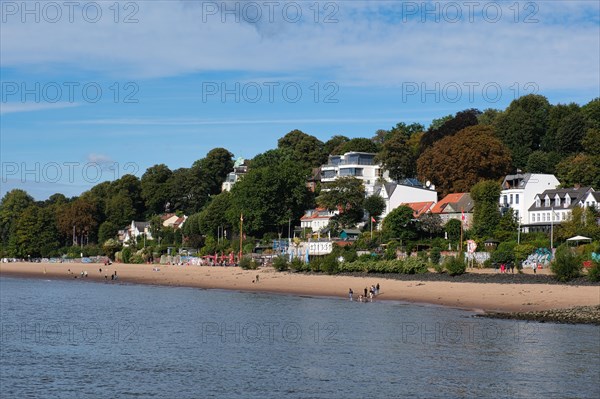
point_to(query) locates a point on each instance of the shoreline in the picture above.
(477, 297)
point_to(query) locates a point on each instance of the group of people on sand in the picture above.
(368, 293)
(84, 274)
(505, 267)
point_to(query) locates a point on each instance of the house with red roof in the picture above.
(454, 206)
(316, 219)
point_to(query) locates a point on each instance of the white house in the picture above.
(592, 200)
(555, 206)
(133, 231)
(407, 191)
(316, 219)
(173, 221)
(519, 191)
(239, 170)
(354, 164)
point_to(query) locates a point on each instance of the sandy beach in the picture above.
(472, 296)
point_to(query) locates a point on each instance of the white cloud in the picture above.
(11, 108)
(371, 45)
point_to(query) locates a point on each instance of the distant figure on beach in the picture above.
(534, 268)
(512, 267)
(366, 291)
(112, 276)
(371, 296)
(377, 287)
(257, 278)
(100, 270)
(350, 294)
(106, 276)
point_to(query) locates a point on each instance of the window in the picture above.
(567, 200)
(543, 217)
(516, 198)
(557, 201)
(548, 216)
(547, 201)
(505, 200)
(538, 202)
(564, 216)
(511, 199)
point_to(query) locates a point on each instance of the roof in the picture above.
(419, 208)
(351, 231)
(319, 213)
(454, 203)
(575, 194)
(141, 225)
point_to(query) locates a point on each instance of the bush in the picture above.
(455, 266)
(330, 265)
(297, 265)
(594, 272)
(435, 255)
(566, 265)
(280, 264)
(248, 263)
(126, 255)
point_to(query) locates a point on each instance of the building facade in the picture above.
(519, 191)
(360, 165)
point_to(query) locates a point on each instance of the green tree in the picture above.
(333, 143)
(154, 188)
(452, 229)
(35, 233)
(269, 197)
(12, 205)
(486, 215)
(523, 125)
(592, 113)
(374, 205)
(507, 227)
(580, 169)
(356, 145)
(130, 186)
(213, 218)
(438, 122)
(347, 195)
(214, 169)
(456, 163)
(489, 117)
(397, 156)
(399, 224)
(430, 224)
(108, 230)
(303, 149)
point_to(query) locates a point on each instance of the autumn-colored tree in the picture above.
(456, 163)
(78, 220)
(449, 127)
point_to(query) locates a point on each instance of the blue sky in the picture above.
(95, 91)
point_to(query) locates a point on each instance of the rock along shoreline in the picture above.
(576, 315)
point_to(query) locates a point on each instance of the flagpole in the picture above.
(371, 227)
(241, 235)
(462, 220)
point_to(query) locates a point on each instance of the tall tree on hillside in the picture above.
(214, 168)
(78, 220)
(12, 205)
(398, 157)
(456, 163)
(489, 116)
(333, 143)
(306, 150)
(213, 219)
(486, 215)
(154, 188)
(347, 195)
(374, 205)
(269, 197)
(36, 233)
(450, 127)
(591, 111)
(357, 145)
(131, 187)
(523, 125)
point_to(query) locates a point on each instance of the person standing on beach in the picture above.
(257, 278)
(350, 294)
(377, 287)
(365, 292)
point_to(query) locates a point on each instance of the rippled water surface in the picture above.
(75, 339)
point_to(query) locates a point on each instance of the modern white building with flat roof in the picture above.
(360, 165)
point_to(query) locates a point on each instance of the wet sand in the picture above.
(472, 296)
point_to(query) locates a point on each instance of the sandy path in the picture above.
(480, 296)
